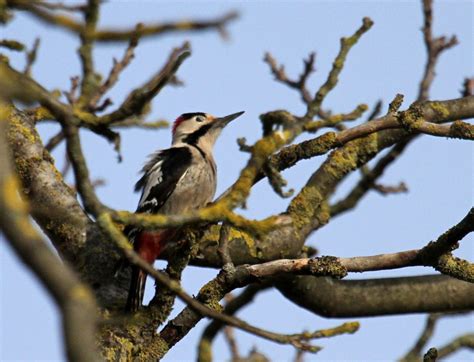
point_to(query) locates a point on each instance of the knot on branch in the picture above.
(271, 121)
(327, 266)
(462, 130)
(411, 118)
(468, 87)
(243, 146)
(431, 355)
(455, 267)
(395, 105)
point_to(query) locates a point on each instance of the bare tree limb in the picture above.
(465, 341)
(434, 47)
(110, 35)
(117, 68)
(31, 57)
(300, 84)
(427, 333)
(72, 296)
(136, 101)
(387, 295)
(297, 340)
(232, 306)
(346, 44)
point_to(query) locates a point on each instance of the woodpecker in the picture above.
(175, 180)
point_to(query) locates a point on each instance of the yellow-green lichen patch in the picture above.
(461, 129)
(455, 267)
(16, 126)
(440, 109)
(211, 294)
(303, 207)
(160, 347)
(327, 266)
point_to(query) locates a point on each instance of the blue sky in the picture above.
(223, 77)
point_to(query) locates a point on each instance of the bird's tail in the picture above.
(149, 246)
(137, 289)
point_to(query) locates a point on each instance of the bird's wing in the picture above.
(160, 176)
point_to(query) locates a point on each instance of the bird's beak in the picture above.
(221, 122)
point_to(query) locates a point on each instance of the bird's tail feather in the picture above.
(137, 289)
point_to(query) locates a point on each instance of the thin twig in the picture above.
(84, 184)
(59, 6)
(434, 47)
(223, 248)
(346, 44)
(415, 352)
(89, 76)
(71, 94)
(375, 111)
(232, 342)
(300, 84)
(231, 308)
(465, 341)
(117, 68)
(388, 189)
(139, 122)
(336, 119)
(367, 181)
(31, 57)
(14, 45)
(54, 141)
(139, 98)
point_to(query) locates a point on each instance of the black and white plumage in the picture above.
(176, 180)
(160, 176)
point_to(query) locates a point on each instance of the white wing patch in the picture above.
(154, 177)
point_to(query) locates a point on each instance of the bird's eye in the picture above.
(200, 119)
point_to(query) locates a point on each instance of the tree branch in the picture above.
(111, 35)
(377, 297)
(465, 341)
(434, 49)
(137, 100)
(202, 308)
(75, 300)
(346, 44)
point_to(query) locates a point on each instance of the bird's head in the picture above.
(200, 128)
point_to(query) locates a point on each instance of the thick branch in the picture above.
(376, 297)
(59, 214)
(73, 298)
